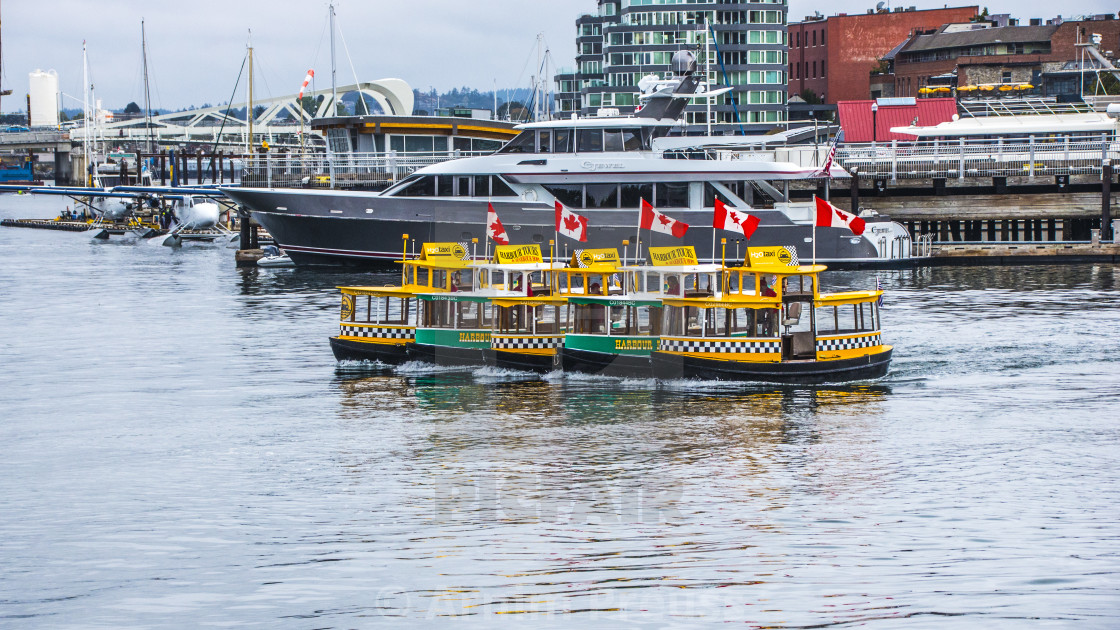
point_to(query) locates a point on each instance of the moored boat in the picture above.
(772, 324)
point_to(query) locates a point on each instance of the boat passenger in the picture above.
(766, 290)
(674, 287)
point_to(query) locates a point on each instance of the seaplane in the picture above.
(170, 214)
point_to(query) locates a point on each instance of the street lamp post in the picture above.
(874, 122)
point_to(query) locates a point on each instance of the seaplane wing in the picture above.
(168, 191)
(65, 191)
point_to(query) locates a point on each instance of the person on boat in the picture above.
(528, 289)
(595, 289)
(456, 278)
(765, 288)
(674, 287)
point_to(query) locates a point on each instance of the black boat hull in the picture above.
(349, 350)
(668, 366)
(620, 365)
(445, 356)
(540, 363)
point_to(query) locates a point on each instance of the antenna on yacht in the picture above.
(334, 87)
(147, 91)
(85, 114)
(249, 107)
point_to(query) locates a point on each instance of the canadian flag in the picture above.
(654, 220)
(570, 224)
(494, 229)
(732, 220)
(829, 215)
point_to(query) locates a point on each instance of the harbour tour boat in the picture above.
(772, 324)
(378, 323)
(529, 327)
(614, 334)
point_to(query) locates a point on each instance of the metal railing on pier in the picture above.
(350, 170)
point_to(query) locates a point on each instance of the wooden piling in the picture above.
(855, 191)
(1106, 201)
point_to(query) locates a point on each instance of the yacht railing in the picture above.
(344, 170)
(1029, 156)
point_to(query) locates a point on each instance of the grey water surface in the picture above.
(179, 449)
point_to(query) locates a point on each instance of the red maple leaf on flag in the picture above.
(571, 223)
(665, 220)
(497, 229)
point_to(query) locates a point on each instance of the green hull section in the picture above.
(461, 338)
(634, 345)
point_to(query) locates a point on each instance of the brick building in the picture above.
(834, 56)
(958, 55)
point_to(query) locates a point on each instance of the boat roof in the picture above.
(1016, 125)
(613, 122)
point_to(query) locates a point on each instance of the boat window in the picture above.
(418, 144)
(463, 186)
(544, 141)
(602, 195)
(797, 285)
(612, 140)
(632, 194)
(481, 185)
(525, 142)
(590, 140)
(711, 194)
(424, 186)
(672, 195)
(570, 195)
(499, 188)
(443, 185)
(590, 319)
(632, 140)
(562, 143)
(848, 319)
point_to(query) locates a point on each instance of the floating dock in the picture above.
(47, 224)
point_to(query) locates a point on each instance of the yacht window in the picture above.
(612, 140)
(570, 195)
(590, 140)
(602, 195)
(632, 194)
(525, 142)
(632, 140)
(423, 187)
(443, 186)
(481, 185)
(672, 195)
(563, 141)
(544, 141)
(711, 194)
(440, 144)
(499, 188)
(463, 186)
(418, 144)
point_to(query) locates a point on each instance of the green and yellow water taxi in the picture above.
(771, 323)
(614, 334)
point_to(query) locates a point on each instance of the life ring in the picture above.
(529, 195)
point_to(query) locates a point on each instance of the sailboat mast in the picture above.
(147, 90)
(334, 87)
(249, 109)
(85, 113)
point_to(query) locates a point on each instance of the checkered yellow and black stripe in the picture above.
(377, 332)
(525, 343)
(825, 344)
(723, 346)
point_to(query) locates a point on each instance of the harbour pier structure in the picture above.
(35, 145)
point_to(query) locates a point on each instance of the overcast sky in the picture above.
(195, 48)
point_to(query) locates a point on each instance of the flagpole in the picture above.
(713, 244)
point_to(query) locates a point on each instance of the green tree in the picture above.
(132, 108)
(810, 97)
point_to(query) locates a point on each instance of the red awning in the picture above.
(856, 118)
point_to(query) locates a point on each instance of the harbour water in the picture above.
(180, 448)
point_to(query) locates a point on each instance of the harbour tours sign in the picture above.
(662, 256)
(517, 254)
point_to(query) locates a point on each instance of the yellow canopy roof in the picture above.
(849, 297)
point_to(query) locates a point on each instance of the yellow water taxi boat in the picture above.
(771, 323)
(378, 323)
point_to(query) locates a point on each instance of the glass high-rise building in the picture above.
(629, 39)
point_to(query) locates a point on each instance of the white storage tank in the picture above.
(44, 98)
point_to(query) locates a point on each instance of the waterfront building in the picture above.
(1047, 57)
(629, 39)
(834, 56)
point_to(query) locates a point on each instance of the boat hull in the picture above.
(351, 350)
(365, 229)
(446, 356)
(605, 364)
(668, 366)
(540, 363)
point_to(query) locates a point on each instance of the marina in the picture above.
(738, 320)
